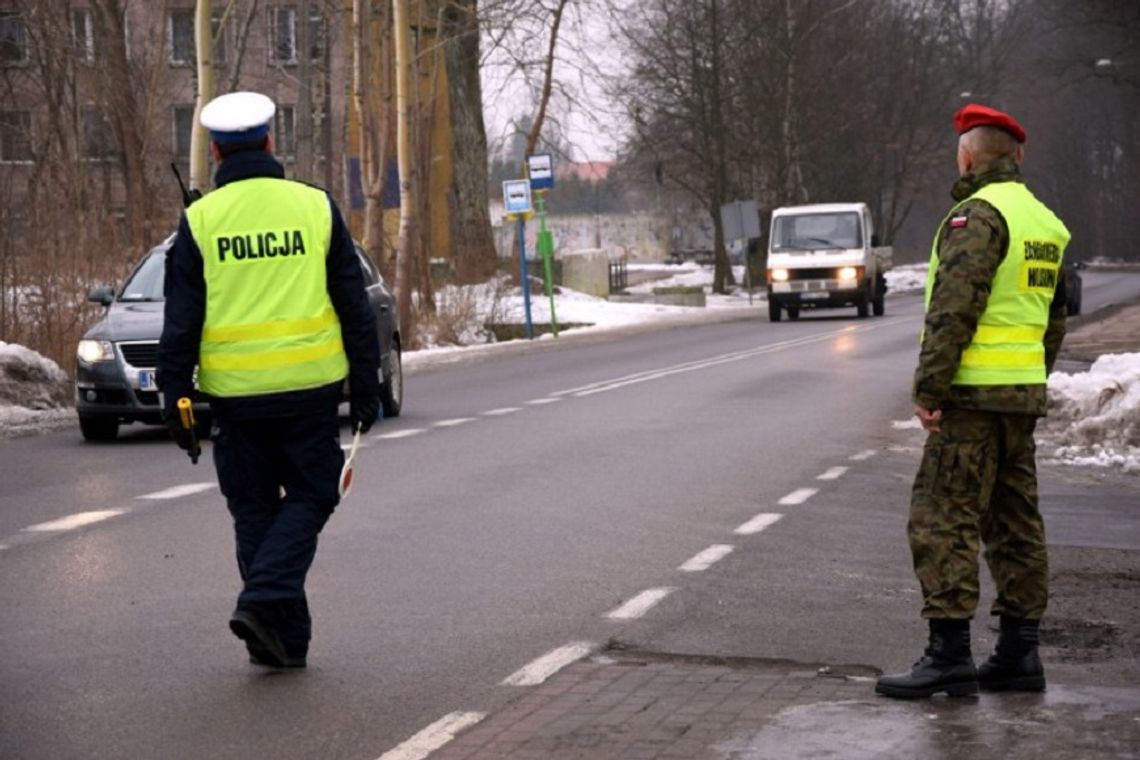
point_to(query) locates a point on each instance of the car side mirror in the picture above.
(103, 295)
(874, 241)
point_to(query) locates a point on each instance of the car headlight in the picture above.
(92, 351)
(779, 275)
(848, 273)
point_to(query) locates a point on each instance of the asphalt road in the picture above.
(520, 505)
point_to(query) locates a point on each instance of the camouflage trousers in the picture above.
(978, 483)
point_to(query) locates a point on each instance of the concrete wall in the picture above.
(587, 271)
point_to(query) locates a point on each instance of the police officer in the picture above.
(264, 293)
(995, 317)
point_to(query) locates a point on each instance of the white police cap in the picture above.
(238, 116)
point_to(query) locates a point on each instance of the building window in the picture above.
(219, 33)
(183, 127)
(98, 137)
(182, 37)
(83, 34)
(283, 35)
(15, 126)
(13, 39)
(283, 134)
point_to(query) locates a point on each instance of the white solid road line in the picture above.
(705, 559)
(453, 423)
(542, 401)
(433, 737)
(550, 663)
(501, 411)
(758, 523)
(832, 474)
(401, 434)
(640, 604)
(862, 455)
(798, 496)
(175, 492)
(74, 521)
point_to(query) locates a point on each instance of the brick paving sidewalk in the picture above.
(638, 706)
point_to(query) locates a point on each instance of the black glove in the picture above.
(364, 410)
(181, 435)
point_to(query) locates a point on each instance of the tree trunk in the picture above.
(473, 249)
(199, 139)
(303, 111)
(405, 254)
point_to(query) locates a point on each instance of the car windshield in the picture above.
(145, 283)
(811, 232)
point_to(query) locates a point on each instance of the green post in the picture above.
(546, 248)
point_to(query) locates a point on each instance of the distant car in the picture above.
(1071, 279)
(115, 373)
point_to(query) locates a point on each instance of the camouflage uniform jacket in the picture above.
(968, 258)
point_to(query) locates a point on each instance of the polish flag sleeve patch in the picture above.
(958, 221)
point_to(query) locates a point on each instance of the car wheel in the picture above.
(861, 308)
(392, 376)
(98, 428)
(773, 311)
(793, 312)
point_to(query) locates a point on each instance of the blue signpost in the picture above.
(516, 200)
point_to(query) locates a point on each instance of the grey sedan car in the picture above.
(115, 373)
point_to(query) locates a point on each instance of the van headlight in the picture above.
(92, 351)
(779, 275)
(848, 273)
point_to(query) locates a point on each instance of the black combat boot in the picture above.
(946, 665)
(1015, 664)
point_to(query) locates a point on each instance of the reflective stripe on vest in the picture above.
(270, 325)
(1007, 347)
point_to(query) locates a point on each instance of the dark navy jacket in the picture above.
(185, 312)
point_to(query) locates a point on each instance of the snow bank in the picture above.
(909, 278)
(1094, 416)
(34, 391)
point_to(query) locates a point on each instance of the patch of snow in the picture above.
(1094, 416)
(909, 278)
(34, 392)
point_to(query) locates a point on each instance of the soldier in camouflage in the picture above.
(994, 323)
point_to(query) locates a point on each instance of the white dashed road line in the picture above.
(453, 423)
(550, 663)
(71, 522)
(501, 411)
(175, 492)
(799, 496)
(542, 401)
(705, 559)
(433, 737)
(862, 455)
(640, 604)
(408, 433)
(758, 523)
(833, 474)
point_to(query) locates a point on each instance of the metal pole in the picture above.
(523, 275)
(546, 248)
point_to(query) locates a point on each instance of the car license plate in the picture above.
(815, 295)
(146, 380)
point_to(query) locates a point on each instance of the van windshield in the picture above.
(146, 282)
(813, 232)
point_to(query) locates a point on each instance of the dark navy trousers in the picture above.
(279, 476)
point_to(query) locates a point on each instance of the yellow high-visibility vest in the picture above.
(1007, 348)
(270, 325)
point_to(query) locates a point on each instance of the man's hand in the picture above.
(183, 437)
(363, 410)
(930, 419)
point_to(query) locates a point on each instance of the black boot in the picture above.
(946, 665)
(1015, 664)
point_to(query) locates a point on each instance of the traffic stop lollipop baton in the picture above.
(345, 482)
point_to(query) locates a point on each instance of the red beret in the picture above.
(973, 115)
